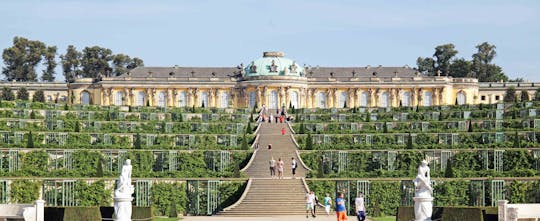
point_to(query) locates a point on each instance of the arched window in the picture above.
(204, 99)
(182, 99)
(322, 100)
(294, 99)
(140, 98)
(428, 98)
(119, 99)
(85, 98)
(252, 99)
(461, 98)
(342, 99)
(384, 100)
(406, 99)
(224, 99)
(162, 99)
(273, 100)
(364, 99)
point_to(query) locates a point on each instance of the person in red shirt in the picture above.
(281, 119)
(283, 131)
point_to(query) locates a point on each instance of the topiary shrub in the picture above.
(462, 213)
(82, 214)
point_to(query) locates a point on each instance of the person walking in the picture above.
(293, 167)
(269, 146)
(280, 168)
(341, 211)
(310, 204)
(327, 203)
(271, 118)
(360, 207)
(272, 167)
(283, 131)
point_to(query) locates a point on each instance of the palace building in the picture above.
(275, 81)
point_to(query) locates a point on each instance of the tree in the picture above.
(481, 64)
(99, 168)
(449, 170)
(461, 68)
(71, 63)
(137, 143)
(517, 142)
(22, 94)
(470, 130)
(410, 142)
(245, 145)
(510, 95)
(444, 54)
(21, 59)
(50, 63)
(123, 63)
(7, 94)
(248, 128)
(309, 142)
(385, 127)
(38, 96)
(537, 95)
(525, 96)
(302, 129)
(32, 115)
(95, 61)
(30, 140)
(426, 66)
(77, 127)
(368, 116)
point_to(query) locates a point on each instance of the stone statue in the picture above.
(423, 200)
(273, 66)
(253, 68)
(294, 67)
(123, 192)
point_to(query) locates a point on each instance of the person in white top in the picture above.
(310, 204)
(293, 167)
(280, 168)
(360, 207)
(272, 167)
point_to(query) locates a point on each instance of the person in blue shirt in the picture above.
(341, 211)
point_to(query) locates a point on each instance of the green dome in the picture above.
(273, 63)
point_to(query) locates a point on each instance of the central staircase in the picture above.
(266, 196)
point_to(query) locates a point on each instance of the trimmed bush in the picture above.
(82, 214)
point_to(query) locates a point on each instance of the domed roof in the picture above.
(274, 63)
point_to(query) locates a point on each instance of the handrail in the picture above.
(298, 153)
(305, 185)
(252, 155)
(244, 194)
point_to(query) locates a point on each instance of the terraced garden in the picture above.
(184, 160)
(477, 154)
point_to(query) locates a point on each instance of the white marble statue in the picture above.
(122, 194)
(423, 200)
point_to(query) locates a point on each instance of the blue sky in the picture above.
(324, 33)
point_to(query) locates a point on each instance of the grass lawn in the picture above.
(384, 218)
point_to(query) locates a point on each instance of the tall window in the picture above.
(182, 99)
(224, 99)
(252, 99)
(162, 99)
(322, 100)
(461, 98)
(294, 99)
(85, 98)
(406, 99)
(384, 99)
(273, 100)
(119, 99)
(428, 98)
(204, 99)
(140, 98)
(342, 99)
(364, 99)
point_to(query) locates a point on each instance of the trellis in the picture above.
(391, 165)
(59, 193)
(184, 140)
(536, 155)
(203, 197)
(335, 161)
(142, 192)
(498, 162)
(4, 191)
(497, 191)
(446, 155)
(364, 187)
(477, 193)
(218, 160)
(56, 138)
(407, 192)
(150, 139)
(10, 160)
(51, 114)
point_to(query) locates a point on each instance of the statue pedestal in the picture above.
(122, 208)
(423, 208)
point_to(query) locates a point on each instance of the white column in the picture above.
(40, 209)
